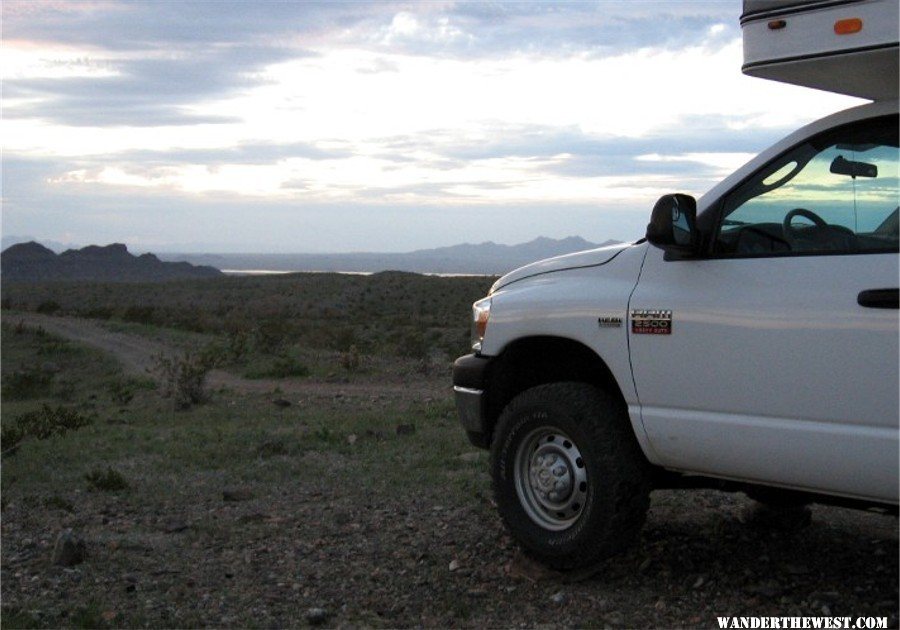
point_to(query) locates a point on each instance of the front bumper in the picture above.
(469, 379)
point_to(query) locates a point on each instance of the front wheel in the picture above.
(570, 480)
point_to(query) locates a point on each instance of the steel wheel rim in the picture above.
(551, 478)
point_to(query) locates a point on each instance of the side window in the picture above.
(836, 193)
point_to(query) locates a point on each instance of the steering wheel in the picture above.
(789, 232)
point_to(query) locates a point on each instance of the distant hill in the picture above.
(10, 240)
(32, 262)
(486, 258)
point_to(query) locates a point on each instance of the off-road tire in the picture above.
(615, 473)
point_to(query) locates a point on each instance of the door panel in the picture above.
(773, 371)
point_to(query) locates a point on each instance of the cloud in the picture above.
(199, 112)
(152, 91)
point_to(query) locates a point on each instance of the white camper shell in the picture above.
(844, 46)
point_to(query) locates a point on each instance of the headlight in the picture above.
(481, 312)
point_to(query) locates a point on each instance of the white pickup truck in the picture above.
(749, 342)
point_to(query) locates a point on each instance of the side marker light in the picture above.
(848, 26)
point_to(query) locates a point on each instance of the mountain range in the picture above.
(486, 258)
(32, 262)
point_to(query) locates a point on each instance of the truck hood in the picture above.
(577, 260)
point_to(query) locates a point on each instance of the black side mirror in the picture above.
(673, 224)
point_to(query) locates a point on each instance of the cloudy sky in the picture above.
(371, 126)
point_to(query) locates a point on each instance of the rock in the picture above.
(237, 494)
(615, 618)
(454, 565)
(253, 517)
(351, 439)
(474, 456)
(523, 567)
(174, 526)
(699, 582)
(764, 590)
(272, 448)
(316, 616)
(406, 429)
(778, 518)
(68, 550)
(796, 569)
(49, 367)
(281, 402)
(558, 598)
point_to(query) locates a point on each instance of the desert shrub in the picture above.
(350, 359)
(412, 345)
(41, 424)
(283, 366)
(121, 391)
(183, 379)
(65, 389)
(56, 502)
(271, 334)
(31, 382)
(272, 448)
(324, 435)
(108, 480)
(193, 319)
(223, 351)
(48, 307)
(54, 346)
(21, 328)
(237, 344)
(98, 312)
(139, 314)
(455, 347)
(342, 337)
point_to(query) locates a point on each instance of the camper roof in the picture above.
(753, 7)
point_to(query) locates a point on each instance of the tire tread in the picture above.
(604, 420)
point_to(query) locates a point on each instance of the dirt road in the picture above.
(138, 355)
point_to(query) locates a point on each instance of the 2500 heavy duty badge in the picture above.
(651, 322)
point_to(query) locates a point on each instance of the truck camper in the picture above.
(749, 342)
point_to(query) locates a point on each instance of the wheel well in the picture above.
(533, 361)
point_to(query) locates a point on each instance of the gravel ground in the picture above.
(311, 553)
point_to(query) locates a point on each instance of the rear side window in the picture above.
(836, 193)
